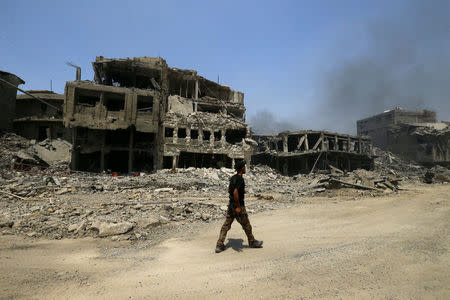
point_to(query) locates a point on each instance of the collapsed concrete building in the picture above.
(303, 151)
(377, 126)
(414, 135)
(140, 114)
(425, 143)
(40, 119)
(8, 92)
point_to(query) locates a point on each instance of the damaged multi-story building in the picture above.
(39, 116)
(140, 114)
(414, 135)
(293, 152)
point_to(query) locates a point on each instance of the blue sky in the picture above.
(276, 52)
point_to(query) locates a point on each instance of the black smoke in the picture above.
(404, 62)
(265, 122)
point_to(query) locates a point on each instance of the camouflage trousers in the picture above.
(242, 218)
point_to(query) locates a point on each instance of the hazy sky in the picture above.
(301, 64)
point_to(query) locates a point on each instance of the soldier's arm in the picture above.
(236, 200)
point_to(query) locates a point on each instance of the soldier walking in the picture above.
(236, 210)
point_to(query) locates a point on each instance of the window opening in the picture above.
(144, 103)
(114, 102)
(217, 135)
(194, 134)
(182, 133)
(168, 132)
(234, 136)
(206, 135)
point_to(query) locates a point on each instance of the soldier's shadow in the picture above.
(236, 244)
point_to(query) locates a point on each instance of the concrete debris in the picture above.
(56, 203)
(108, 229)
(53, 152)
(11, 146)
(437, 174)
(21, 154)
(4, 223)
(393, 164)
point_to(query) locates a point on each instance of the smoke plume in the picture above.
(406, 63)
(265, 122)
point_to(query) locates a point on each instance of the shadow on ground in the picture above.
(236, 244)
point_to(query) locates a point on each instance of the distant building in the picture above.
(414, 135)
(377, 126)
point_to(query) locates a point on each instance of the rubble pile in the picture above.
(125, 207)
(389, 163)
(20, 154)
(53, 152)
(11, 145)
(60, 204)
(437, 174)
(359, 179)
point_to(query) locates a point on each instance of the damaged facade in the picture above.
(40, 120)
(425, 143)
(414, 135)
(377, 126)
(140, 114)
(303, 151)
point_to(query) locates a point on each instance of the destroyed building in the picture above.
(414, 135)
(425, 143)
(377, 126)
(8, 91)
(140, 114)
(39, 116)
(303, 151)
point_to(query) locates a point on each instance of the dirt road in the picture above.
(391, 247)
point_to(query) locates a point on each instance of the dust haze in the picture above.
(405, 62)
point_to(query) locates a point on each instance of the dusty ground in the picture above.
(394, 247)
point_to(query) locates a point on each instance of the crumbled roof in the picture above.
(4, 73)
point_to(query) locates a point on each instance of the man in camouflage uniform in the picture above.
(236, 210)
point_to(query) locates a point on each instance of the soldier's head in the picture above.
(240, 167)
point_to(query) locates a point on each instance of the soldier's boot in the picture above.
(220, 248)
(256, 244)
